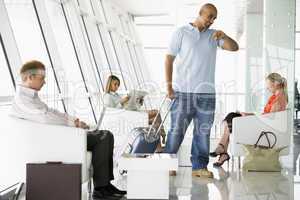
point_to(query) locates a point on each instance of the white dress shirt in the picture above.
(28, 105)
(112, 99)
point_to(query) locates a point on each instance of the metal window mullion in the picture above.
(80, 11)
(138, 62)
(133, 65)
(113, 44)
(130, 27)
(78, 61)
(48, 52)
(130, 55)
(137, 59)
(132, 35)
(135, 51)
(7, 62)
(9, 42)
(104, 48)
(117, 57)
(102, 41)
(91, 48)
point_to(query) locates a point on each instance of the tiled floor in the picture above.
(229, 184)
(233, 184)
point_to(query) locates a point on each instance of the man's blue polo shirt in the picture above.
(195, 62)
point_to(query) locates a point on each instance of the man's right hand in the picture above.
(81, 124)
(170, 93)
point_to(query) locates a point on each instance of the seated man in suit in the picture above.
(28, 105)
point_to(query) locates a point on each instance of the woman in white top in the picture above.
(112, 99)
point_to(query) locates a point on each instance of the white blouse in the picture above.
(112, 99)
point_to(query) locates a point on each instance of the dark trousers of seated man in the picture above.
(101, 144)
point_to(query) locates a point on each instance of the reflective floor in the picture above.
(233, 186)
(228, 184)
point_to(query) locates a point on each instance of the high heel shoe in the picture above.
(220, 162)
(216, 153)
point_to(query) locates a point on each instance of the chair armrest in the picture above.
(246, 130)
(120, 122)
(29, 142)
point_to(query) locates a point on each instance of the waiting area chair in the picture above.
(246, 130)
(23, 141)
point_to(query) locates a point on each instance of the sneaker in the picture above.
(202, 173)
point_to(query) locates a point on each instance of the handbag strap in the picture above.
(265, 133)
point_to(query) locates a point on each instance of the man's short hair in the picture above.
(207, 6)
(32, 67)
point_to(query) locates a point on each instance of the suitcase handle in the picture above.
(164, 118)
(53, 162)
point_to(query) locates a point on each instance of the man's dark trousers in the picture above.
(101, 144)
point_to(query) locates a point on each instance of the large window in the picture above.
(6, 86)
(80, 79)
(29, 39)
(149, 28)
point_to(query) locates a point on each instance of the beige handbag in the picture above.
(262, 158)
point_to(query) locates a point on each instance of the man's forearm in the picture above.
(230, 44)
(169, 71)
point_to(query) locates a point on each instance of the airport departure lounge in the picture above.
(149, 99)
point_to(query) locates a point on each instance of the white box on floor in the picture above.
(148, 174)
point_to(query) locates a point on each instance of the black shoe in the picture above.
(111, 188)
(104, 194)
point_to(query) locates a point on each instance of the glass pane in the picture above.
(166, 19)
(6, 86)
(227, 76)
(297, 65)
(155, 59)
(297, 40)
(94, 29)
(107, 37)
(71, 68)
(149, 35)
(29, 39)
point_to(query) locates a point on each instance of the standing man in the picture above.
(27, 105)
(195, 47)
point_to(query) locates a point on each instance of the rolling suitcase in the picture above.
(146, 139)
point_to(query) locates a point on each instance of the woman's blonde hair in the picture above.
(109, 81)
(280, 80)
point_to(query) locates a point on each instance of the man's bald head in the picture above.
(208, 7)
(207, 15)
